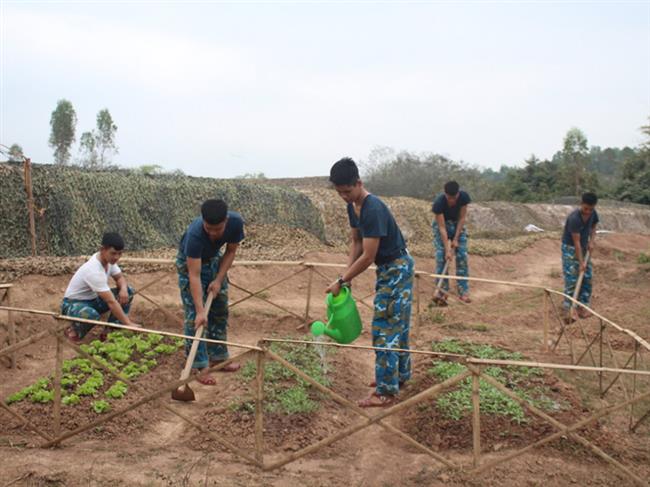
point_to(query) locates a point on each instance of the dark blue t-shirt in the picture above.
(195, 242)
(376, 220)
(441, 206)
(575, 224)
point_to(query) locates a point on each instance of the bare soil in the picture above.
(151, 446)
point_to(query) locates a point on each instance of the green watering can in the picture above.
(344, 323)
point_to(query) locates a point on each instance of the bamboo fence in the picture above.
(629, 373)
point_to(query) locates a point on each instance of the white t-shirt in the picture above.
(90, 279)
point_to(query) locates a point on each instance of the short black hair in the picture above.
(451, 188)
(590, 199)
(344, 172)
(113, 239)
(214, 211)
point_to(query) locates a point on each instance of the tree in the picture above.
(105, 136)
(150, 169)
(574, 154)
(635, 186)
(63, 122)
(15, 153)
(88, 149)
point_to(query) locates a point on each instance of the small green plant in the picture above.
(100, 406)
(71, 400)
(643, 258)
(117, 390)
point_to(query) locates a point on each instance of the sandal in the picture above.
(231, 367)
(465, 298)
(375, 400)
(205, 379)
(583, 313)
(71, 335)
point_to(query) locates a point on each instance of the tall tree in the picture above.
(63, 122)
(106, 131)
(15, 153)
(635, 186)
(574, 153)
(88, 149)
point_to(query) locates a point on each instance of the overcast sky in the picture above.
(286, 88)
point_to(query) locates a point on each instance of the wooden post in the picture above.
(546, 321)
(476, 420)
(309, 286)
(30, 202)
(600, 353)
(418, 297)
(259, 407)
(11, 324)
(57, 386)
(635, 364)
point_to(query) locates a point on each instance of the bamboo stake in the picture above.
(165, 311)
(600, 355)
(146, 286)
(616, 363)
(645, 416)
(28, 341)
(563, 430)
(563, 329)
(588, 350)
(418, 297)
(259, 407)
(476, 420)
(427, 394)
(28, 311)
(547, 325)
(256, 293)
(634, 366)
(286, 310)
(11, 326)
(27, 165)
(57, 387)
(584, 337)
(542, 365)
(25, 421)
(349, 404)
(310, 278)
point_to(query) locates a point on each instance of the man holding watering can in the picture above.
(375, 237)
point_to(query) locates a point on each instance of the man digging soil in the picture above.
(375, 237)
(202, 269)
(578, 238)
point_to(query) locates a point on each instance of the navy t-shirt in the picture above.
(575, 224)
(195, 242)
(376, 220)
(452, 213)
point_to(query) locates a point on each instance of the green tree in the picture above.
(15, 153)
(574, 155)
(88, 149)
(106, 131)
(63, 123)
(635, 186)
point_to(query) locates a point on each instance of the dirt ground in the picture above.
(151, 446)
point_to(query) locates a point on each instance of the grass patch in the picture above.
(643, 258)
(284, 391)
(524, 381)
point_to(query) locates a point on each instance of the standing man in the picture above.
(578, 238)
(88, 294)
(202, 269)
(449, 237)
(375, 237)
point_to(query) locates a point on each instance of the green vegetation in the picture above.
(643, 258)
(524, 381)
(149, 210)
(284, 392)
(126, 353)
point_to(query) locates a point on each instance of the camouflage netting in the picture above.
(74, 207)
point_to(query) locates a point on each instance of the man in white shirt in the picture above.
(88, 294)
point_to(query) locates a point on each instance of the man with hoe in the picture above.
(375, 237)
(202, 269)
(89, 295)
(578, 238)
(449, 237)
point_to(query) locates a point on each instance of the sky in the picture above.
(222, 89)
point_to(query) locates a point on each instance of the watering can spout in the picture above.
(344, 323)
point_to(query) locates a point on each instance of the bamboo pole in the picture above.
(588, 350)
(25, 421)
(418, 298)
(165, 311)
(310, 279)
(349, 404)
(286, 310)
(600, 357)
(476, 420)
(543, 365)
(28, 341)
(27, 166)
(146, 286)
(616, 363)
(547, 324)
(28, 311)
(427, 394)
(56, 410)
(563, 430)
(634, 366)
(11, 324)
(563, 329)
(584, 337)
(255, 294)
(645, 416)
(259, 407)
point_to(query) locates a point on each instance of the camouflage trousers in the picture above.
(217, 316)
(462, 268)
(571, 271)
(391, 324)
(91, 309)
